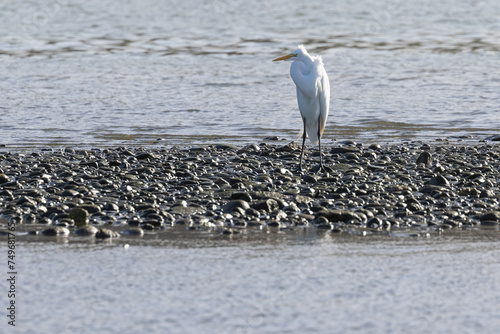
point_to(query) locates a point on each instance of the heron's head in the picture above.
(295, 55)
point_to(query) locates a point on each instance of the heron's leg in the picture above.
(321, 168)
(303, 142)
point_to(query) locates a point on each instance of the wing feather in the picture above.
(324, 94)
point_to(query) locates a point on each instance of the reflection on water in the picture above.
(183, 237)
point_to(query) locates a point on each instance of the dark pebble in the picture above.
(266, 205)
(493, 216)
(57, 230)
(439, 181)
(86, 230)
(425, 158)
(80, 216)
(106, 233)
(232, 205)
(4, 178)
(339, 215)
(133, 232)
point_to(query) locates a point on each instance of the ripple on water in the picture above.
(418, 71)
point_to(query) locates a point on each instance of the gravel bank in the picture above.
(366, 189)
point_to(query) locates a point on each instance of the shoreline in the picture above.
(104, 193)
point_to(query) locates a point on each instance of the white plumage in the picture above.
(313, 94)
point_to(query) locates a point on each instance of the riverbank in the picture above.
(366, 189)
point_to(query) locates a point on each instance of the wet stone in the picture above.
(56, 231)
(86, 230)
(343, 150)
(232, 205)
(266, 205)
(106, 233)
(80, 216)
(4, 178)
(138, 232)
(145, 156)
(439, 181)
(493, 216)
(90, 208)
(70, 193)
(339, 215)
(424, 158)
(242, 196)
(374, 223)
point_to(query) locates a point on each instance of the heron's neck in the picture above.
(306, 65)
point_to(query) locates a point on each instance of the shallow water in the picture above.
(188, 282)
(94, 73)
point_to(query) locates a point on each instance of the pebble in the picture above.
(424, 158)
(56, 230)
(232, 205)
(4, 178)
(134, 232)
(86, 230)
(79, 215)
(366, 188)
(106, 233)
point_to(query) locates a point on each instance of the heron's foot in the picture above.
(320, 169)
(300, 170)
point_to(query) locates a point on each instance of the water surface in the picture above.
(94, 73)
(189, 282)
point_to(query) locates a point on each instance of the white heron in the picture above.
(313, 95)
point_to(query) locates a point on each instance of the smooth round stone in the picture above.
(111, 207)
(343, 150)
(339, 215)
(69, 193)
(374, 147)
(232, 205)
(267, 205)
(86, 230)
(133, 232)
(106, 233)
(79, 215)
(4, 178)
(374, 223)
(241, 195)
(56, 231)
(424, 158)
(439, 181)
(493, 216)
(91, 208)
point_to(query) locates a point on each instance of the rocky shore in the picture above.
(366, 188)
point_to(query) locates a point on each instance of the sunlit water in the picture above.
(148, 73)
(107, 73)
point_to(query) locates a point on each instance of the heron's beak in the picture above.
(286, 57)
